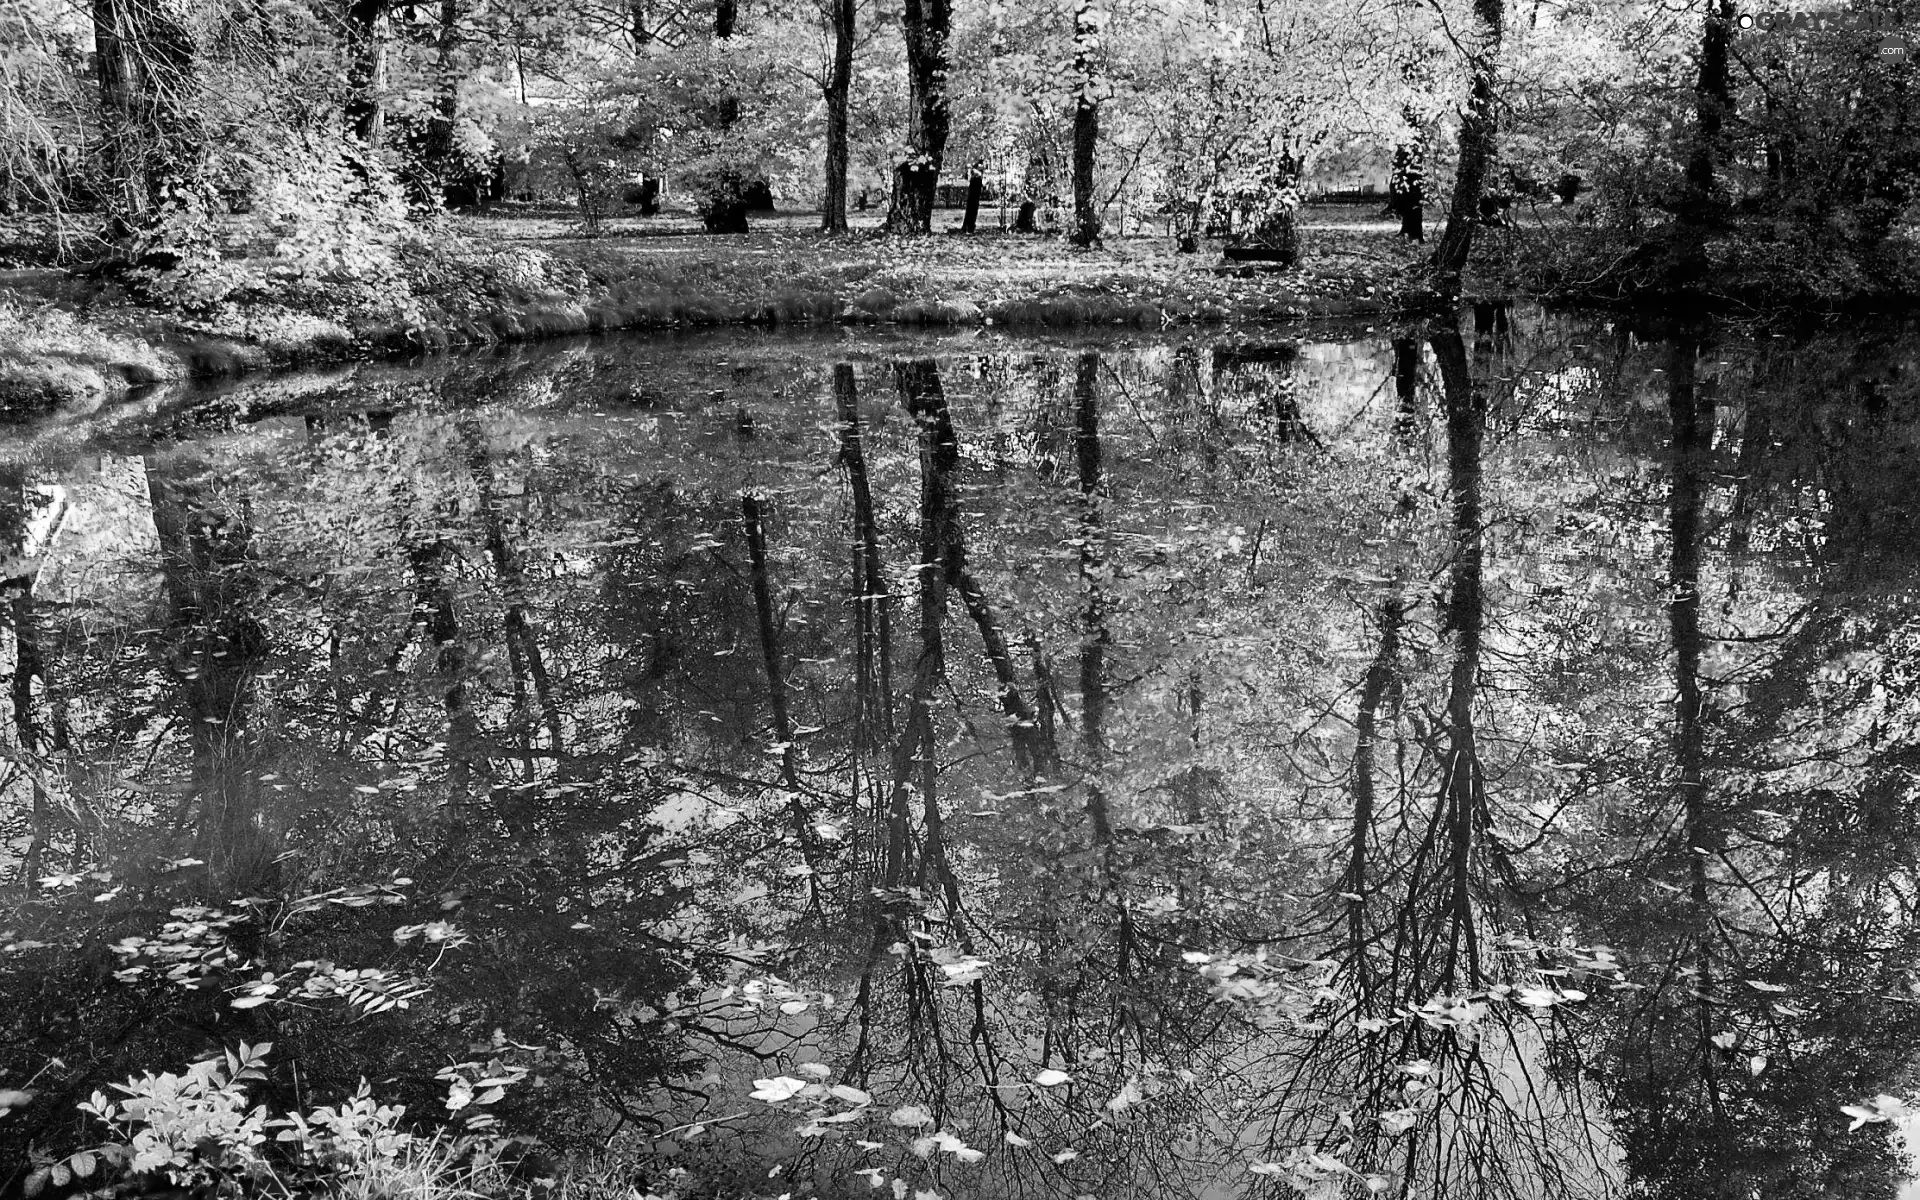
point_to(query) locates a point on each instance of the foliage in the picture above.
(198, 1130)
(321, 234)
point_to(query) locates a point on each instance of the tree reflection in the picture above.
(1781, 977)
(1486, 781)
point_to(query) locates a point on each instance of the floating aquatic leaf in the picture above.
(780, 1087)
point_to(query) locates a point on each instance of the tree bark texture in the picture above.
(925, 25)
(1086, 125)
(1479, 125)
(366, 69)
(838, 90)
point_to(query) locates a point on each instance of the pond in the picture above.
(1463, 760)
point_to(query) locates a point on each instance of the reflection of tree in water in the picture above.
(1772, 913)
(1268, 374)
(216, 648)
(982, 715)
(1402, 1054)
(1069, 981)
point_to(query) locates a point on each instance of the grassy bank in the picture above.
(73, 339)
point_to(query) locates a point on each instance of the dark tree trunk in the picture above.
(1692, 426)
(924, 24)
(1095, 637)
(1463, 813)
(1086, 208)
(839, 88)
(1086, 127)
(1380, 676)
(770, 639)
(1713, 104)
(1478, 126)
(925, 398)
(800, 818)
(1407, 186)
(872, 602)
(1692, 441)
(1406, 381)
(726, 14)
(366, 69)
(976, 183)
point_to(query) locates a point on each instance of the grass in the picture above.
(532, 276)
(784, 273)
(50, 358)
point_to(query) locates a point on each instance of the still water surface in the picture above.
(1466, 762)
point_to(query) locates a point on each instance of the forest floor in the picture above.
(71, 340)
(1352, 263)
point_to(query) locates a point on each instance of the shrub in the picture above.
(198, 1130)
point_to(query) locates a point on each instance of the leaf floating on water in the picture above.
(780, 1087)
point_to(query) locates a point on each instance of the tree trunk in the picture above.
(1086, 210)
(1463, 815)
(872, 602)
(839, 87)
(1407, 186)
(925, 398)
(1478, 126)
(1713, 103)
(924, 24)
(1406, 381)
(1381, 672)
(366, 69)
(1086, 124)
(976, 183)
